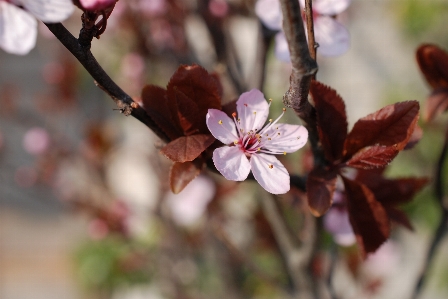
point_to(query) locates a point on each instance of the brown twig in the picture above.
(312, 46)
(124, 102)
(222, 236)
(304, 68)
(443, 224)
(297, 253)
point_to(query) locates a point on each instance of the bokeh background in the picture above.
(85, 210)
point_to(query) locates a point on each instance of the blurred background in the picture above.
(85, 207)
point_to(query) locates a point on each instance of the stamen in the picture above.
(284, 153)
(220, 122)
(271, 166)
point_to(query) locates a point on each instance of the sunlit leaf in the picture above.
(187, 148)
(391, 126)
(433, 63)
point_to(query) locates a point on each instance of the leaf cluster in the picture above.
(374, 141)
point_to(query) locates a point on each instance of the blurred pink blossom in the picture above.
(189, 205)
(337, 223)
(36, 141)
(97, 4)
(18, 24)
(332, 37)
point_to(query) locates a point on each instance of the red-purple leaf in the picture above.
(320, 187)
(391, 192)
(415, 137)
(331, 119)
(436, 103)
(183, 173)
(373, 157)
(399, 217)
(367, 216)
(391, 126)
(157, 107)
(199, 86)
(433, 63)
(186, 111)
(187, 148)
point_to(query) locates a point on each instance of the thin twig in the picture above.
(312, 46)
(297, 254)
(220, 233)
(443, 224)
(124, 102)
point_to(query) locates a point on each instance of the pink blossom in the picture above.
(251, 145)
(332, 37)
(96, 4)
(18, 25)
(337, 222)
(36, 141)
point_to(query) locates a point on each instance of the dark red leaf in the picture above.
(331, 119)
(391, 192)
(391, 126)
(199, 86)
(433, 63)
(415, 137)
(181, 174)
(320, 187)
(367, 216)
(399, 217)
(157, 107)
(186, 112)
(436, 103)
(373, 157)
(187, 148)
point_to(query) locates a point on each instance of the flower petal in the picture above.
(270, 173)
(253, 110)
(231, 162)
(281, 47)
(286, 138)
(18, 29)
(332, 37)
(270, 14)
(224, 132)
(330, 7)
(51, 11)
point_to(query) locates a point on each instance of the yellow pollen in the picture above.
(258, 149)
(255, 112)
(270, 120)
(220, 122)
(269, 138)
(270, 100)
(271, 166)
(284, 153)
(235, 142)
(284, 109)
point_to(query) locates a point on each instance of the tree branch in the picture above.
(310, 28)
(124, 102)
(297, 254)
(443, 224)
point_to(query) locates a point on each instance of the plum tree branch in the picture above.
(124, 102)
(304, 68)
(443, 224)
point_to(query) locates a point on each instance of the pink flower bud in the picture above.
(96, 4)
